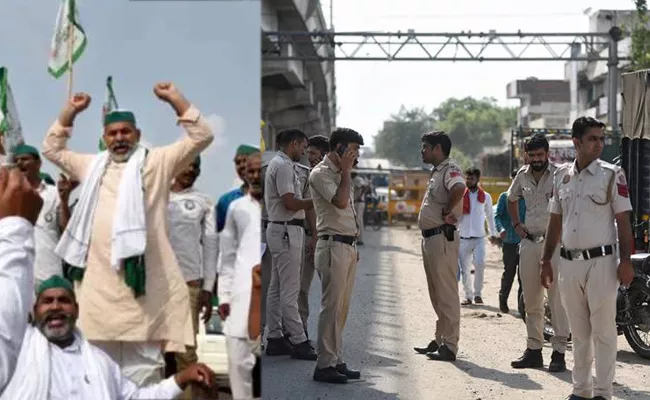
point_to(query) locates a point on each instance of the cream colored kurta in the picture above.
(108, 309)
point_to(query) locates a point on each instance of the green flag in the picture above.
(67, 20)
(9, 121)
(110, 104)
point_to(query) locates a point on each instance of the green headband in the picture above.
(55, 282)
(246, 150)
(119, 116)
(47, 178)
(26, 149)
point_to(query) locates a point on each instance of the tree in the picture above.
(471, 123)
(640, 46)
(399, 139)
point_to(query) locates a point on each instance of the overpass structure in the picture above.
(296, 93)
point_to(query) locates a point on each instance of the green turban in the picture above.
(119, 116)
(47, 178)
(23, 149)
(55, 282)
(246, 150)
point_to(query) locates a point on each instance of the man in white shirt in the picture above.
(477, 208)
(56, 362)
(193, 236)
(240, 248)
(53, 218)
(20, 205)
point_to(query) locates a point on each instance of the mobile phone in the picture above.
(342, 149)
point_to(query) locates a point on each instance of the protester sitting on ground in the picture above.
(75, 368)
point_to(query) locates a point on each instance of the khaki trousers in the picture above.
(440, 258)
(530, 254)
(184, 360)
(306, 277)
(286, 243)
(359, 208)
(336, 264)
(589, 290)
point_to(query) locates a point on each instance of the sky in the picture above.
(209, 49)
(368, 92)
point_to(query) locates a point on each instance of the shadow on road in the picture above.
(515, 380)
(630, 357)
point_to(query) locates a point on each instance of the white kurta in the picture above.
(240, 251)
(16, 290)
(78, 372)
(193, 235)
(47, 234)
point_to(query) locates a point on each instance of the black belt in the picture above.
(471, 237)
(349, 240)
(265, 223)
(293, 222)
(580, 255)
(427, 233)
(535, 238)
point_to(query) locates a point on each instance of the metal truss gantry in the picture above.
(412, 46)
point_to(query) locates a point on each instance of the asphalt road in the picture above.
(391, 312)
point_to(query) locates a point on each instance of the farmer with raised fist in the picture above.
(133, 301)
(20, 206)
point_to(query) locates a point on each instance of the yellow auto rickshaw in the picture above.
(405, 193)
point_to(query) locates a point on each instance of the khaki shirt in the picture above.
(303, 172)
(588, 201)
(265, 215)
(443, 178)
(281, 179)
(324, 181)
(535, 194)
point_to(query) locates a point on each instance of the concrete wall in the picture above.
(296, 94)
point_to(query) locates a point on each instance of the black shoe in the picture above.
(304, 351)
(503, 305)
(466, 302)
(478, 300)
(530, 359)
(574, 397)
(277, 347)
(350, 373)
(557, 363)
(329, 375)
(432, 347)
(443, 354)
(599, 398)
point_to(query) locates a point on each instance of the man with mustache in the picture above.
(134, 303)
(240, 253)
(193, 237)
(57, 362)
(53, 218)
(242, 153)
(534, 184)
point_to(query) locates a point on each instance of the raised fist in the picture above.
(17, 197)
(166, 91)
(79, 102)
(65, 187)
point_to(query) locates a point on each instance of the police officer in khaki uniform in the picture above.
(588, 196)
(285, 240)
(336, 253)
(438, 218)
(318, 147)
(534, 183)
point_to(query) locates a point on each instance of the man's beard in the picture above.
(538, 166)
(60, 333)
(120, 158)
(472, 186)
(256, 189)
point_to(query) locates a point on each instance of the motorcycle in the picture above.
(632, 309)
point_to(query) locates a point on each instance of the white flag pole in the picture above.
(70, 52)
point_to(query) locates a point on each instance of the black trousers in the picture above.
(510, 268)
(257, 378)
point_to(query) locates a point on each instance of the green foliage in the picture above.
(640, 46)
(461, 159)
(471, 123)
